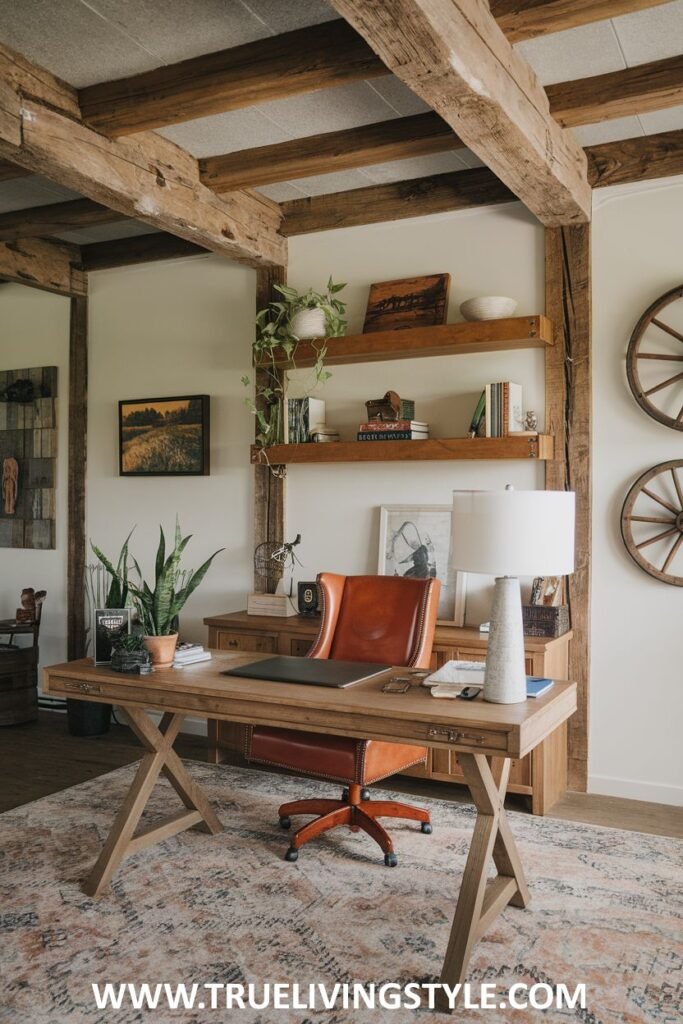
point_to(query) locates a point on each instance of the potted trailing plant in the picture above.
(296, 316)
(159, 607)
(129, 654)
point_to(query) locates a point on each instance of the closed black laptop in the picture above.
(309, 671)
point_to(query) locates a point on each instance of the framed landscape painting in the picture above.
(415, 541)
(164, 436)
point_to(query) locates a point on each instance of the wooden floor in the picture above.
(41, 758)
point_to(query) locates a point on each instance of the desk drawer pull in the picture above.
(468, 739)
(446, 734)
(84, 687)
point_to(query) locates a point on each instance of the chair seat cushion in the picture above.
(340, 758)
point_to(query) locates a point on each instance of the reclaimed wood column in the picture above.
(568, 417)
(270, 491)
(78, 415)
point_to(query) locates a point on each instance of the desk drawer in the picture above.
(472, 739)
(260, 644)
(74, 686)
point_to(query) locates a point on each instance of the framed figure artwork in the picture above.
(415, 541)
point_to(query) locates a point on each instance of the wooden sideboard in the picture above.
(542, 775)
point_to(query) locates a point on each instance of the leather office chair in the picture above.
(382, 619)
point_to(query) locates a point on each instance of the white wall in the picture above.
(34, 331)
(637, 647)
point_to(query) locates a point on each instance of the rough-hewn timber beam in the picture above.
(49, 266)
(78, 450)
(639, 159)
(397, 139)
(624, 93)
(53, 219)
(147, 178)
(309, 58)
(123, 252)
(454, 56)
(524, 19)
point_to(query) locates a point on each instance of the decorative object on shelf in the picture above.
(164, 436)
(546, 590)
(324, 435)
(390, 407)
(10, 484)
(652, 521)
(304, 416)
(510, 534)
(129, 654)
(488, 307)
(31, 605)
(410, 302)
(308, 598)
(279, 327)
(653, 351)
(28, 450)
(109, 625)
(274, 563)
(415, 541)
(548, 621)
(530, 421)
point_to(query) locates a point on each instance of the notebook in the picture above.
(309, 671)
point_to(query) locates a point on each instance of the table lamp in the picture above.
(508, 534)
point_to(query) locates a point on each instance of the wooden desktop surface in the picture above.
(363, 711)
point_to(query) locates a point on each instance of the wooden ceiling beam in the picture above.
(147, 178)
(310, 58)
(50, 266)
(639, 159)
(631, 91)
(525, 19)
(452, 54)
(10, 171)
(123, 252)
(43, 221)
(397, 139)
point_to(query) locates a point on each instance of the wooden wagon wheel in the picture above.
(653, 514)
(649, 366)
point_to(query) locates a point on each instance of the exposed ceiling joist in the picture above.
(10, 171)
(636, 90)
(452, 54)
(49, 220)
(419, 135)
(640, 159)
(146, 178)
(49, 266)
(309, 58)
(525, 19)
(139, 249)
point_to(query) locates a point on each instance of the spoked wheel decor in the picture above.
(652, 522)
(654, 358)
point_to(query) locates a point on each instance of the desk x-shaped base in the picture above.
(159, 757)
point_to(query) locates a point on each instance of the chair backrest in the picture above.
(384, 619)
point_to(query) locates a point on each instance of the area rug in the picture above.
(605, 910)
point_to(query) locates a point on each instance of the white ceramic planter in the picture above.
(307, 324)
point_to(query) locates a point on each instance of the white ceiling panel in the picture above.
(398, 96)
(576, 53)
(328, 110)
(653, 34)
(281, 191)
(226, 133)
(662, 121)
(287, 15)
(608, 131)
(416, 167)
(321, 184)
(107, 232)
(24, 193)
(469, 158)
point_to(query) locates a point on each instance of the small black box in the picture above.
(308, 598)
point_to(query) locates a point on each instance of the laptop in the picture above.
(309, 671)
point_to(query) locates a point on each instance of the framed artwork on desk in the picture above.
(415, 541)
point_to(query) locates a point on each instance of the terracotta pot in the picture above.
(162, 649)
(308, 324)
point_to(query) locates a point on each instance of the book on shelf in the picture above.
(304, 416)
(478, 415)
(392, 435)
(383, 426)
(503, 413)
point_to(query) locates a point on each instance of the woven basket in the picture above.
(540, 620)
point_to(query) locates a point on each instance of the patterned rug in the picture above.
(229, 909)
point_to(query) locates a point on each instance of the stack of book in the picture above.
(190, 654)
(499, 411)
(393, 430)
(304, 416)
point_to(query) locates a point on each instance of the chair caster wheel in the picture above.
(426, 828)
(292, 854)
(345, 795)
(285, 822)
(391, 860)
(365, 794)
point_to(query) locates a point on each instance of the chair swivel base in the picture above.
(357, 813)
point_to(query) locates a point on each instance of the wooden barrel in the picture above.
(18, 689)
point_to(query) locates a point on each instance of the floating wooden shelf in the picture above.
(434, 449)
(440, 340)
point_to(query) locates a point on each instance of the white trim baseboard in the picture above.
(632, 789)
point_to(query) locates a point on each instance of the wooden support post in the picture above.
(78, 413)
(269, 489)
(568, 417)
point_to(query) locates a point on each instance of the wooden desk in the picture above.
(485, 736)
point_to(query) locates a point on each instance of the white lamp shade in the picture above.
(513, 533)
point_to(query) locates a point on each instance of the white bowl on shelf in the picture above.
(488, 307)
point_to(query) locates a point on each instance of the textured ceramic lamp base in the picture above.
(505, 679)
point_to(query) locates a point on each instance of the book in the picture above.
(536, 686)
(386, 425)
(194, 659)
(188, 655)
(503, 412)
(304, 415)
(478, 415)
(392, 435)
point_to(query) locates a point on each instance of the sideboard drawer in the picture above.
(246, 642)
(300, 646)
